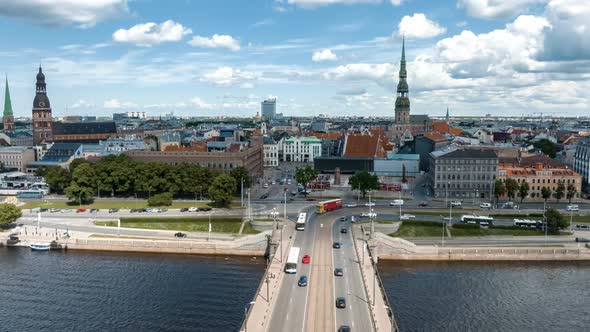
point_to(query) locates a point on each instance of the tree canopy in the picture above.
(523, 191)
(547, 147)
(364, 181)
(555, 221)
(304, 175)
(9, 213)
(222, 189)
(499, 189)
(240, 173)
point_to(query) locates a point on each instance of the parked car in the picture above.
(485, 205)
(180, 234)
(370, 204)
(456, 204)
(113, 210)
(339, 272)
(397, 202)
(163, 210)
(193, 209)
(264, 196)
(423, 203)
(351, 205)
(265, 186)
(54, 210)
(407, 216)
(306, 259)
(205, 209)
(66, 210)
(94, 210)
(302, 281)
(352, 220)
(80, 210)
(336, 245)
(344, 231)
(573, 207)
(344, 328)
(183, 209)
(340, 303)
(582, 239)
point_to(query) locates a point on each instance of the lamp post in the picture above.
(246, 315)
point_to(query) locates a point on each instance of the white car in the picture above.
(485, 205)
(573, 207)
(193, 209)
(370, 204)
(407, 216)
(369, 215)
(448, 219)
(456, 204)
(265, 186)
(397, 202)
(352, 219)
(66, 211)
(351, 205)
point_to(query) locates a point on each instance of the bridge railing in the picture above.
(394, 326)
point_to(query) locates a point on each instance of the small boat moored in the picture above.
(40, 246)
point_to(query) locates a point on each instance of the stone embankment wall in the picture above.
(399, 249)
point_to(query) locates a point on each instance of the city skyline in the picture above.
(317, 57)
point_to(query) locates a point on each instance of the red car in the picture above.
(80, 210)
(306, 259)
(423, 204)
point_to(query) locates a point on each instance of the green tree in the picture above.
(79, 195)
(363, 181)
(511, 188)
(83, 186)
(523, 191)
(240, 173)
(499, 189)
(222, 189)
(77, 162)
(547, 147)
(164, 199)
(546, 193)
(559, 191)
(555, 221)
(305, 175)
(9, 213)
(58, 178)
(571, 192)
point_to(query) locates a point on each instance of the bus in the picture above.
(528, 223)
(292, 259)
(473, 219)
(300, 224)
(327, 206)
(27, 194)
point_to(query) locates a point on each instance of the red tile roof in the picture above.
(367, 146)
(440, 127)
(435, 137)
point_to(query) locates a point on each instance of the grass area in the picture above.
(464, 230)
(248, 229)
(109, 236)
(415, 228)
(113, 204)
(196, 224)
(579, 219)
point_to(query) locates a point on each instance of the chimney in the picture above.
(539, 166)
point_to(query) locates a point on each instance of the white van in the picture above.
(485, 205)
(456, 204)
(397, 202)
(572, 207)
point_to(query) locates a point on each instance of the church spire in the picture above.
(7, 101)
(447, 116)
(402, 102)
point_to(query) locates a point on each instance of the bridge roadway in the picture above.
(313, 308)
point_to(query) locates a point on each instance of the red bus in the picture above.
(327, 206)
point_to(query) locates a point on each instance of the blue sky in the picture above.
(334, 57)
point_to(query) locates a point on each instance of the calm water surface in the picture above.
(516, 296)
(97, 291)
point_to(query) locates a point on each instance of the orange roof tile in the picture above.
(440, 127)
(455, 131)
(435, 136)
(367, 146)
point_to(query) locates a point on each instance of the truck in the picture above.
(327, 206)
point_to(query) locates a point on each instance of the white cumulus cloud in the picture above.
(148, 34)
(216, 41)
(419, 26)
(228, 76)
(496, 9)
(84, 13)
(324, 55)
(310, 4)
(117, 104)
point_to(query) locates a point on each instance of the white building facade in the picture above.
(271, 153)
(300, 149)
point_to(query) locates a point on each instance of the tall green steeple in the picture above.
(402, 102)
(7, 102)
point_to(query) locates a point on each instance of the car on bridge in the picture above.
(302, 281)
(344, 231)
(370, 204)
(423, 203)
(336, 245)
(306, 259)
(340, 303)
(80, 210)
(351, 205)
(344, 328)
(179, 234)
(485, 206)
(407, 216)
(339, 272)
(397, 202)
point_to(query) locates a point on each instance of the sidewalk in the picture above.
(258, 317)
(377, 305)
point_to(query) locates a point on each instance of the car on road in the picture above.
(370, 204)
(54, 210)
(193, 209)
(407, 216)
(456, 204)
(336, 245)
(204, 209)
(306, 259)
(572, 207)
(368, 215)
(485, 206)
(66, 211)
(352, 220)
(449, 219)
(581, 226)
(80, 210)
(163, 210)
(264, 196)
(397, 202)
(344, 328)
(183, 209)
(94, 210)
(344, 231)
(180, 234)
(113, 210)
(302, 281)
(340, 303)
(265, 186)
(423, 203)
(351, 205)
(342, 218)
(273, 183)
(582, 239)
(339, 272)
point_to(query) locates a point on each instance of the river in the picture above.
(101, 291)
(489, 296)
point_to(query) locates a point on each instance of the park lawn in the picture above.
(113, 204)
(413, 230)
(248, 229)
(494, 231)
(197, 224)
(580, 219)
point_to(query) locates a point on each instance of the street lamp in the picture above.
(246, 315)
